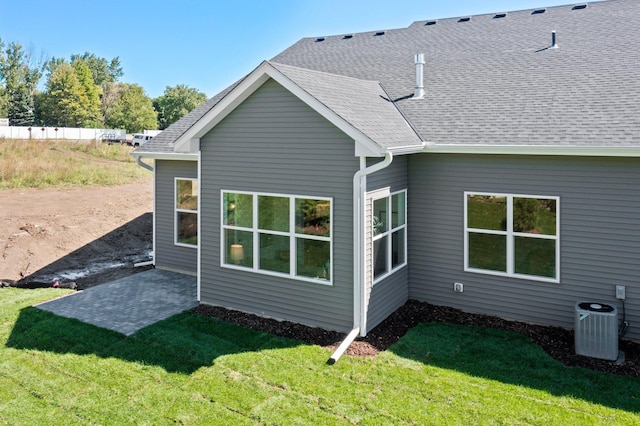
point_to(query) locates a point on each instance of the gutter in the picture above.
(359, 293)
(559, 150)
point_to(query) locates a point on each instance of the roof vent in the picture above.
(347, 36)
(579, 7)
(431, 23)
(419, 61)
(467, 19)
(379, 33)
(499, 15)
(538, 11)
(554, 44)
(320, 39)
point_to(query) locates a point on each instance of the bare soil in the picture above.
(87, 235)
(95, 235)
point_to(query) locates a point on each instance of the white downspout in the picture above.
(141, 164)
(359, 292)
(153, 231)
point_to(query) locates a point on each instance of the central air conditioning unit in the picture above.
(596, 330)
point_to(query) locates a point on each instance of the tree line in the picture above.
(83, 91)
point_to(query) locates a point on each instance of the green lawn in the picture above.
(196, 370)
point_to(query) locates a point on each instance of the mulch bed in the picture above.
(556, 341)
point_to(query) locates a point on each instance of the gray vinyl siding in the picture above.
(599, 234)
(168, 255)
(274, 143)
(391, 293)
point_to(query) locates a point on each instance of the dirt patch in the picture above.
(88, 235)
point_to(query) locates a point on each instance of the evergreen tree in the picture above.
(20, 110)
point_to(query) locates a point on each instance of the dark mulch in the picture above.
(556, 341)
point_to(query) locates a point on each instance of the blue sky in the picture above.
(208, 44)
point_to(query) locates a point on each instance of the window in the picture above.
(278, 234)
(389, 223)
(512, 235)
(186, 212)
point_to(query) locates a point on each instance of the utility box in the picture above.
(596, 330)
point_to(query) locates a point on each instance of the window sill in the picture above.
(516, 276)
(276, 274)
(185, 245)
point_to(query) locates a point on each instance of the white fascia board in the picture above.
(167, 156)
(249, 85)
(586, 151)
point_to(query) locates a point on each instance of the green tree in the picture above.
(64, 102)
(20, 108)
(4, 103)
(102, 70)
(92, 93)
(175, 103)
(19, 77)
(131, 110)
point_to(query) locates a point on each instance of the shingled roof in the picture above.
(490, 80)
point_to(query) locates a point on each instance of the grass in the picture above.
(46, 163)
(195, 370)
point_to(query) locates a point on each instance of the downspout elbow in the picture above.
(141, 164)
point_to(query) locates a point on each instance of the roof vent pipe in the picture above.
(554, 45)
(419, 61)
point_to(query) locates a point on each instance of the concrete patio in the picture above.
(131, 303)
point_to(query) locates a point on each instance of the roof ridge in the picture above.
(507, 12)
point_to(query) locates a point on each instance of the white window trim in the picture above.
(176, 210)
(388, 233)
(291, 234)
(511, 234)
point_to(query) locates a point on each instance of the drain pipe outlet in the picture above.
(343, 346)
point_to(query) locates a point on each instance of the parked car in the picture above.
(140, 139)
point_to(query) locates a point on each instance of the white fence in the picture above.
(38, 132)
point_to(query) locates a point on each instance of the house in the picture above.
(496, 154)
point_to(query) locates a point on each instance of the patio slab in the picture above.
(131, 303)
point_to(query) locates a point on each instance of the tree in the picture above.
(20, 109)
(20, 77)
(175, 103)
(4, 103)
(102, 70)
(131, 110)
(92, 93)
(65, 101)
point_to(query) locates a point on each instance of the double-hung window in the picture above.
(186, 210)
(512, 235)
(389, 223)
(276, 234)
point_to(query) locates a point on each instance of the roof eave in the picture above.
(166, 155)
(577, 150)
